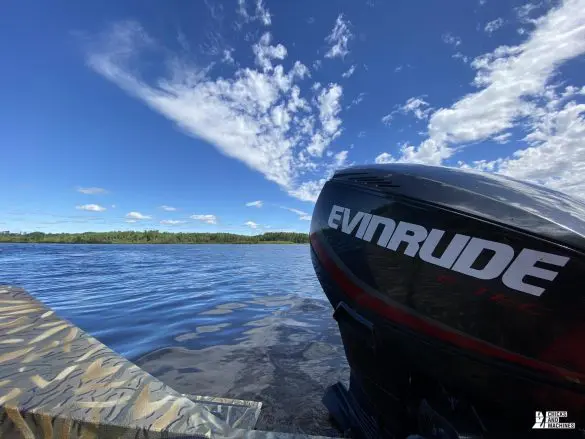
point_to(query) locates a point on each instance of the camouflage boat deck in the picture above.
(56, 381)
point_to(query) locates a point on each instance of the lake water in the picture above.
(243, 321)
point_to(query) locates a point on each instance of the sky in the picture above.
(208, 116)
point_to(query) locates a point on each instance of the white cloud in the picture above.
(418, 106)
(251, 224)
(340, 158)
(265, 52)
(209, 219)
(515, 91)
(259, 117)
(493, 25)
(261, 13)
(137, 216)
(227, 56)
(131, 221)
(349, 72)
(361, 134)
(384, 158)
(91, 207)
(255, 203)
(502, 138)
(357, 100)
(297, 211)
(305, 218)
(387, 120)
(523, 12)
(556, 155)
(168, 208)
(339, 38)
(172, 222)
(459, 55)
(91, 190)
(113, 206)
(451, 39)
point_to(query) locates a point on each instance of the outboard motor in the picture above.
(460, 302)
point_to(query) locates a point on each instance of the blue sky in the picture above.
(230, 115)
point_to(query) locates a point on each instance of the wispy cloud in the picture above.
(259, 117)
(339, 38)
(451, 39)
(349, 72)
(304, 216)
(168, 208)
(170, 222)
(255, 203)
(251, 224)
(357, 100)
(137, 216)
(459, 55)
(493, 25)
(91, 190)
(415, 105)
(209, 219)
(260, 12)
(91, 207)
(515, 91)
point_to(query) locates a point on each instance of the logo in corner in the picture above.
(552, 421)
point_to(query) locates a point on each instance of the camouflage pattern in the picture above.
(56, 381)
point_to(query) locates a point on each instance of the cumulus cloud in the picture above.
(168, 208)
(260, 117)
(515, 90)
(137, 216)
(258, 203)
(209, 219)
(339, 38)
(172, 222)
(251, 224)
(493, 25)
(91, 207)
(349, 72)
(91, 190)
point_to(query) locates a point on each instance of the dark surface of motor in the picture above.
(459, 300)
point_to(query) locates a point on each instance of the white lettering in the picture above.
(523, 266)
(335, 216)
(461, 253)
(412, 234)
(497, 264)
(363, 226)
(389, 226)
(448, 257)
(348, 228)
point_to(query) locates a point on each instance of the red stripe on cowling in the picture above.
(423, 326)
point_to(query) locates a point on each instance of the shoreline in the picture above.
(155, 243)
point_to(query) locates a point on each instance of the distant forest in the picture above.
(155, 237)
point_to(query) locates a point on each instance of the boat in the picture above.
(459, 299)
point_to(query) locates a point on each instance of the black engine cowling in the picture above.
(467, 281)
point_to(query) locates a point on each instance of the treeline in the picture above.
(155, 237)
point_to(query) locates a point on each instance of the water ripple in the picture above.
(245, 321)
